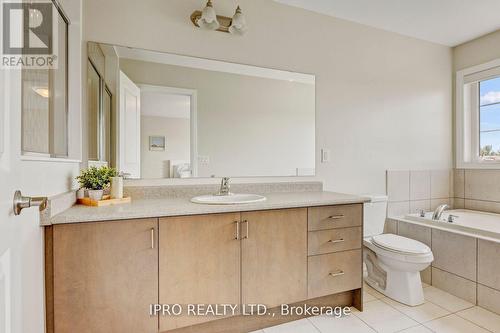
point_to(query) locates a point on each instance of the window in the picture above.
(478, 116)
(45, 103)
(489, 119)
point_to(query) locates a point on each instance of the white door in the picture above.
(21, 237)
(130, 128)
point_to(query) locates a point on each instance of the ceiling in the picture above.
(447, 22)
(165, 105)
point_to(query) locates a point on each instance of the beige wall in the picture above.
(383, 100)
(247, 126)
(477, 189)
(477, 51)
(176, 131)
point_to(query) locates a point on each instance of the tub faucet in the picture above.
(224, 187)
(439, 211)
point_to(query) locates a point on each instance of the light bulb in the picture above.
(238, 24)
(208, 19)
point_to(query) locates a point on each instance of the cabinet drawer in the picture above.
(334, 240)
(334, 273)
(330, 217)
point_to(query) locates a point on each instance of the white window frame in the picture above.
(73, 12)
(467, 116)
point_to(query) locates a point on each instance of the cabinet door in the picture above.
(105, 276)
(274, 256)
(199, 264)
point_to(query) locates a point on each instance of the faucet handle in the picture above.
(224, 186)
(421, 212)
(225, 182)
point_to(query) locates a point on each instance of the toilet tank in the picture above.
(374, 214)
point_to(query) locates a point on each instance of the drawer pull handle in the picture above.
(152, 238)
(335, 241)
(237, 236)
(336, 217)
(339, 273)
(246, 235)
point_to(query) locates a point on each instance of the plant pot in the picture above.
(96, 195)
(80, 194)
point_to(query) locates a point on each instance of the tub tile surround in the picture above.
(464, 266)
(477, 189)
(410, 191)
(454, 284)
(488, 298)
(488, 272)
(455, 253)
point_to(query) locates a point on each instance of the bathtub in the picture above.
(465, 252)
(466, 222)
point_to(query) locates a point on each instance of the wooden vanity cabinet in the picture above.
(201, 258)
(274, 256)
(199, 264)
(104, 276)
(335, 262)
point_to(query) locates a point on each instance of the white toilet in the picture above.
(393, 262)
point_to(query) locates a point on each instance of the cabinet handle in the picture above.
(152, 238)
(336, 217)
(237, 236)
(246, 234)
(338, 273)
(335, 241)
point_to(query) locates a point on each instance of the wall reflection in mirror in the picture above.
(159, 115)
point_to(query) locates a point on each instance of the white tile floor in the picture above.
(441, 313)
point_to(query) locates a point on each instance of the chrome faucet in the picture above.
(224, 187)
(439, 211)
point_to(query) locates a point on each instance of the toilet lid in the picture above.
(400, 244)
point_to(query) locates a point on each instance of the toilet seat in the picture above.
(399, 244)
(396, 255)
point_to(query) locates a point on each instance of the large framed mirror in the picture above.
(155, 115)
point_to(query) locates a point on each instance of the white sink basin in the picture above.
(232, 199)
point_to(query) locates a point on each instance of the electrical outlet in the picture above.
(325, 155)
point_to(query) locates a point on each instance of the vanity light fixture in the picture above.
(207, 19)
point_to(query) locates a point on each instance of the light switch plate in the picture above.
(325, 155)
(203, 159)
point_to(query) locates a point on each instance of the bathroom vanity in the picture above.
(106, 266)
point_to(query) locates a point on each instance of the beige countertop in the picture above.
(146, 208)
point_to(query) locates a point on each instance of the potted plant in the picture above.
(95, 180)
